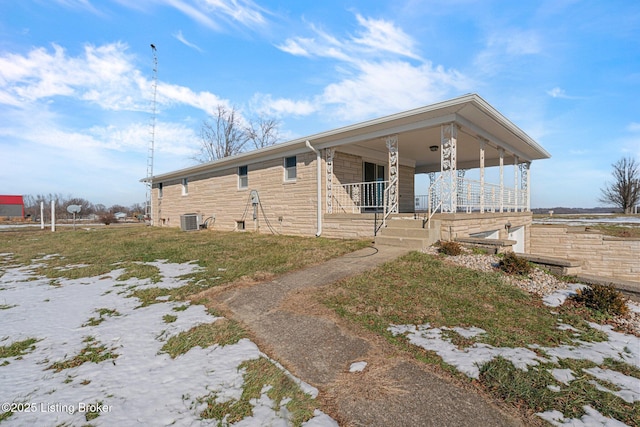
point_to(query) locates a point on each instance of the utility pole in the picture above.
(152, 132)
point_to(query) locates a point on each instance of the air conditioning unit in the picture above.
(190, 222)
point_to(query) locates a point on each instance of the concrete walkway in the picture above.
(318, 347)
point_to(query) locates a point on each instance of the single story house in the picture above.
(11, 207)
(359, 180)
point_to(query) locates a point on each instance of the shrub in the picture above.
(108, 218)
(449, 248)
(513, 264)
(603, 298)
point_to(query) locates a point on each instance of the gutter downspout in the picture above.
(319, 176)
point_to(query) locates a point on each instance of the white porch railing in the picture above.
(359, 197)
(470, 198)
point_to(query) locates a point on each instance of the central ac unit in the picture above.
(190, 222)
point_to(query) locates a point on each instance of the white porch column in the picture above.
(394, 172)
(501, 152)
(525, 169)
(329, 153)
(515, 183)
(482, 143)
(448, 155)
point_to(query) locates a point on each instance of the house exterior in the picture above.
(352, 181)
(11, 207)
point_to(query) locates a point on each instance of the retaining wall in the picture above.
(601, 255)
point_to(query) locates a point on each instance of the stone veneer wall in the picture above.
(290, 207)
(601, 255)
(457, 225)
(347, 226)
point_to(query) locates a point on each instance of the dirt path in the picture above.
(318, 347)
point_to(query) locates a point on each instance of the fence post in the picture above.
(53, 215)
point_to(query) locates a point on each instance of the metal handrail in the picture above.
(430, 213)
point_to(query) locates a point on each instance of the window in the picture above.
(290, 168)
(243, 176)
(185, 186)
(160, 191)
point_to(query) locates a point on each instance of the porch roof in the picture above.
(417, 130)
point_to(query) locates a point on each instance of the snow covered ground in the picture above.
(469, 360)
(142, 385)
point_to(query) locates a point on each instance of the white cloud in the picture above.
(391, 86)
(266, 105)
(376, 38)
(103, 75)
(79, 4)
(245, 12)
(206, 101)
(323, 45)
(633, 127)
(556, 92)
(209, 12)
(373, 76)
(296, 46)
(379, 34)
(505, 45)
(180, 37)
(192, 12)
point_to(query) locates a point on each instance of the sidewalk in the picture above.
(318, 347)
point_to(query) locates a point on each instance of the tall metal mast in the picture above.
(152, 132)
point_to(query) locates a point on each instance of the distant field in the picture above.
(616, 225)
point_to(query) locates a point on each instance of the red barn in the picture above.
(11, 206)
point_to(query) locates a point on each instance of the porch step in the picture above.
(404, 242)
(404, 223)
(406, 233)
(421, 233)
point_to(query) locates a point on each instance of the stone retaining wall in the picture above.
(461, 225)
(601, 255)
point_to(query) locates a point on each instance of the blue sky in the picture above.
(75, 80)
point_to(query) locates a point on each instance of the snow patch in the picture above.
(143, 384)
(591, 418)
(357, 366)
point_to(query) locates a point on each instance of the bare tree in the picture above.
(222, 135)
(624, 192)
(263, 131)
(86, 207)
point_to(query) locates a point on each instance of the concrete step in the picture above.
(404, 223)
(404, 242)
(421, 233)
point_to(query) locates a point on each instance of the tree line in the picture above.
(61, 202)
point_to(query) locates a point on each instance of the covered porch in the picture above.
(475, 159)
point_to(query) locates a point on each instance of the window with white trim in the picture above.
(243, 177)
(185, 186)
(290, 172)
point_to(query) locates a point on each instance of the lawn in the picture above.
(102, 318)
(98, 329)
(551, 361)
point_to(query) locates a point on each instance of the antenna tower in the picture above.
(152, 138)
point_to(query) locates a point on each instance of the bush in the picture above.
(108, 218)
(449, 248)
(603, 298)
(513, 264)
